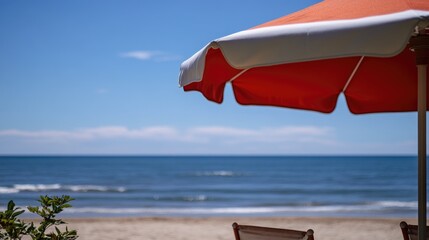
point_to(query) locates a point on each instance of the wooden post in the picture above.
(420, 45)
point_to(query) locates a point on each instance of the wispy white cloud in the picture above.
(193, 140)
(140, 55)
(151, 55)
(96, 133)
(280, 134)
(209, 133)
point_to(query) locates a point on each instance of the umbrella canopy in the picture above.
(364, 49)
(306, 59)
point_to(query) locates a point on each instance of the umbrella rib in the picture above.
(238, 74)
(353, 74)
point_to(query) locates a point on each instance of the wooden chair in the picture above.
(410, 232)
(246, 232)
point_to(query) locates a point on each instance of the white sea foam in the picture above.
(37, 187)
(7, 190)
(328, 209)
(196, 198)
(94, 188)
(87, 188)
(285, 210)
(222, 173)
(397, 204)
(195, 211)
(184, 211)
(58, 187)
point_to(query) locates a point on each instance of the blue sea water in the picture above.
(381, 186)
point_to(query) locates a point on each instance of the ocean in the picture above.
(361, 186)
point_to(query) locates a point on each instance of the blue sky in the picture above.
(101, 77)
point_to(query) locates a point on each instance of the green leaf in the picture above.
(18, 213)
(66, 206)
(10, 205)
(33, 209)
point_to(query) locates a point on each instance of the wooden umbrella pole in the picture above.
(420, 45)
(422, 150)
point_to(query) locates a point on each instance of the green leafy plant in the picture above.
(12, 228)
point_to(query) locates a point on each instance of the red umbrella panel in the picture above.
(369, 84)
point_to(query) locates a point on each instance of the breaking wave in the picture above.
(16, 188)
(221, 173)
(375, 207)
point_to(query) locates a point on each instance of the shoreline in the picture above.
(220, 228)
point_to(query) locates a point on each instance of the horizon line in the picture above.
(208, 155)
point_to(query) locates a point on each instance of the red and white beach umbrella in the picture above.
(367, 50)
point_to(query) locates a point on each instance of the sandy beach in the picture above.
(219, 228)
